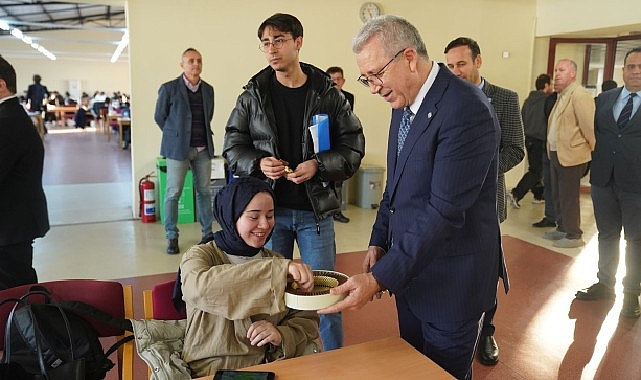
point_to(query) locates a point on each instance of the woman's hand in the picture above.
(262, 332)
(302, 275)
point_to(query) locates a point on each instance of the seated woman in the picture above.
(234, 289)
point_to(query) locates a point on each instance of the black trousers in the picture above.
(532, 180)
(16, 265)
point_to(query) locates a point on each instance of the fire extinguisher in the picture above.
(147, 194)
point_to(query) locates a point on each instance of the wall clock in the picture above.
(369, 10)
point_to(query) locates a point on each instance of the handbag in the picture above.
(34, 362)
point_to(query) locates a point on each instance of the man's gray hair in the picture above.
(395, 33)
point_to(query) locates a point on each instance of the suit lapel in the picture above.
(420, 124)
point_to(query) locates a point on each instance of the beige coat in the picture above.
(573, 114)
(223, 299)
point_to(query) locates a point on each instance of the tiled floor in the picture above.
(542, 332)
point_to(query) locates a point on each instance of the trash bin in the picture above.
(186, 212)
(370, 186)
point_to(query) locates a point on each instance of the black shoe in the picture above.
(545, 222)
(630, 307)
(207, 238)
(488, 350)
(341, 218)
(172, 246)
(597, 291)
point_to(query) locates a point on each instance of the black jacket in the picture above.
(23, 206)
(251, 134)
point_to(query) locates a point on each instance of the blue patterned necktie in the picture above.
(404, 129)
(626, 112)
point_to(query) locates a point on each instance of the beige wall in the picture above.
(226, 36)
(557, 17)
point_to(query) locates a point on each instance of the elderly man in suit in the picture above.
(435, 243)
(184, 110)
(22, 200)
(615, 177)
(464, 60)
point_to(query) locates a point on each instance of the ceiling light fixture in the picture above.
(124, 41)
(17, 33)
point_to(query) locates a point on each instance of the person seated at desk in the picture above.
(83, 115)
(234, 289)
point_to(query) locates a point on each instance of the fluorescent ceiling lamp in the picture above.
(124, 41)
(17, 33)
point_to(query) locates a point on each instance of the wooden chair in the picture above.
(158, 304)
(109, 296)
(104, 122)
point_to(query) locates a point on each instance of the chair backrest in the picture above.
(108, 296)
(158, 302)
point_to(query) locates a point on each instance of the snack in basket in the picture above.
(319, 297)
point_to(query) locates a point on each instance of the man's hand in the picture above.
(306, 170)
(272, 167)
(374, 254)
(361, 288)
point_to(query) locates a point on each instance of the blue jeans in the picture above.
(200, 164)
(316, 250)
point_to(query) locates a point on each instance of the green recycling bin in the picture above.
(186, 212)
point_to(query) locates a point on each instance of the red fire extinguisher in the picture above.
(147, 194)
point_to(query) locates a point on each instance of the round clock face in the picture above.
(369, 10)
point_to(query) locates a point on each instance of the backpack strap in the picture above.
(83, 308)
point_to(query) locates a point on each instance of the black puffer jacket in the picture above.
(250, 135)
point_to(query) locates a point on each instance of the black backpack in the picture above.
(47, 337)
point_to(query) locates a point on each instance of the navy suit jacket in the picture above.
(437, 220)
(173, 116)
(616, 153)
(23, 206)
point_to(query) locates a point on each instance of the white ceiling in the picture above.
(72, 31)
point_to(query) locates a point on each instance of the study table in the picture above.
(62, 113)
(389, 358)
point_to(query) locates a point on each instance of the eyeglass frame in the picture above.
(280, 41)
(364, 79)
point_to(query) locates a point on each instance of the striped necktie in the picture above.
(626, 112)
(404, 129)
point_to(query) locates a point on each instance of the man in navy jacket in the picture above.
(435, 243)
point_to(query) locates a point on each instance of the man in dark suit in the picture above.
(336, 73)
(184, 110)
(615, 176)
(435, 243)
(36, 94)
(464, 60)
(22, 200)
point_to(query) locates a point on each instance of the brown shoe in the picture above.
(597, 291)
(630, 307)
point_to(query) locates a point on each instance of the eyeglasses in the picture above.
(375, 79)
(276, 44)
